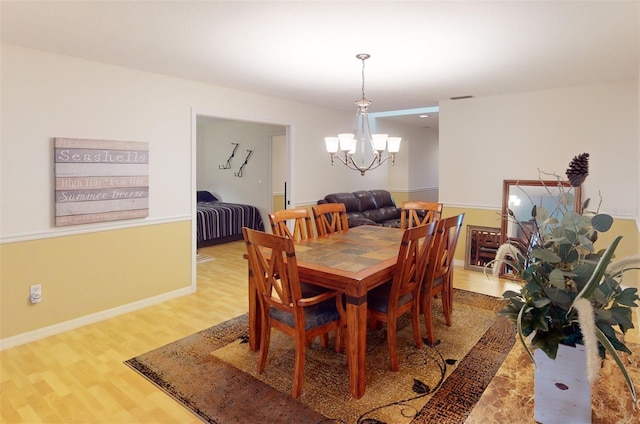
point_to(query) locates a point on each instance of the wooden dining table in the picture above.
(354, 262)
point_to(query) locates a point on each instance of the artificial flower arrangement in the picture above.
(570, 293)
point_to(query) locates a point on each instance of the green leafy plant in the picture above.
(566, 284)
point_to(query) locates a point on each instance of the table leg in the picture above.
(255, 319)
(356, 343)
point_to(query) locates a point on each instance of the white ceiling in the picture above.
(421, 51)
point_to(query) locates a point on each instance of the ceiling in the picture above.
(422, 52)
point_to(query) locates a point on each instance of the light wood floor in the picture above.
(79, 376)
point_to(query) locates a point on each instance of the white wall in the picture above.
(213, 150)
(46, 95)
(486, 140)
(425, 167)
(278, 164)
(416, 167)
(482, 141)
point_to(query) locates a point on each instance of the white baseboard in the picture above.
(51, 330)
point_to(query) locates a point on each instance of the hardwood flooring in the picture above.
(79, 376)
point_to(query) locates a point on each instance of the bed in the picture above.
(219, 222)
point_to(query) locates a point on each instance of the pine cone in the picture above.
(578, 169)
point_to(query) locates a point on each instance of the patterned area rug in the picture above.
(212, 373)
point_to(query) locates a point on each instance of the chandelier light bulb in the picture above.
(393, 144)
(379, 142)
(332, 144)
(347, 142)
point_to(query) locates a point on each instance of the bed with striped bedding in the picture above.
(220, 222)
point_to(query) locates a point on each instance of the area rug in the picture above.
(212, 373)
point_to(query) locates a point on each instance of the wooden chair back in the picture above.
(330, 218)
(414, 213)
(487, 245)
(273, 269)
(301, 223)
(438, 279)
(412, 259)
(389, 302)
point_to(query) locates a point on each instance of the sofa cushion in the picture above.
(382, 198)
(349, 199)
(366, 201)
(392, 223)
(382, 214)
(356, 220)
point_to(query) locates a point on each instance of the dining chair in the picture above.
(284, 305)
(386, 303)
(415, 213)
(302, 228)
(330, 218)
(438, 278)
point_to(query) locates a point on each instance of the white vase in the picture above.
(561, 387)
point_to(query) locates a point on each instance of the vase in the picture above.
(561, 388)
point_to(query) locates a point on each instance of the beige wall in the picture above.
(278, 202)
(92, 272)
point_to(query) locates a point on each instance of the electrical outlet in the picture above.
(35, 293)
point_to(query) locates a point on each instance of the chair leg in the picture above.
(324, 340)
(339, 340)
(415, 323)
(446, 308)
(392, 343)
(428, 324)
(450, 288)
(447, 301)
(298, 373)
(374, 324)
(264, 343)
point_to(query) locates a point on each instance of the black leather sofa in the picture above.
(367, 207)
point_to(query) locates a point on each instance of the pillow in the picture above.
(205, 196)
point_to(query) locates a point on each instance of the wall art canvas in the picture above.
(100, 180)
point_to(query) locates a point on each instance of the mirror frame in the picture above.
(507, 184)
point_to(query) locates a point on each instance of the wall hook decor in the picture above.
(228, 165)
(239, 173)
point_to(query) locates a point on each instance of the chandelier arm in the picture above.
(350, 162)
(375, 163)
(357, 167)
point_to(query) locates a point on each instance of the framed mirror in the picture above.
(520, 196)
(482, 245)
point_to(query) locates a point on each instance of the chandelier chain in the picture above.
(363, 59)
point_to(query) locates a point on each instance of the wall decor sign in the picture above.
(100, 180)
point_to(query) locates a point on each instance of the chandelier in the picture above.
(345, 146)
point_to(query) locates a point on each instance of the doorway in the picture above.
(234, 160)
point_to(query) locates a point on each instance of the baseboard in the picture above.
(51, 330)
